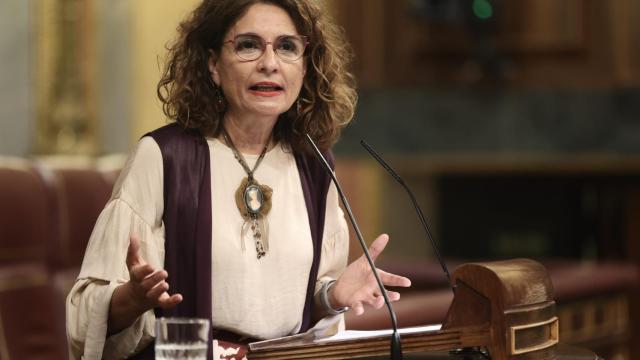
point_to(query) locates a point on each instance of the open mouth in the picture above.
(266, 87)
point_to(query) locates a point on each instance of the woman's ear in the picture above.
(213, 69)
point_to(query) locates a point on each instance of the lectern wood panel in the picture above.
(506, 307)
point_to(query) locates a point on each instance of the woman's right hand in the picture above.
(146, 289)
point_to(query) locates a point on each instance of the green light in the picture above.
(482, 9)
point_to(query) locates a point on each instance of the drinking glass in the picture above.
(181, 338)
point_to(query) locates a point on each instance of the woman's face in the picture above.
(267, 86)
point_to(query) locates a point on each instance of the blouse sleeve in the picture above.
(135, 208)
(335, 241)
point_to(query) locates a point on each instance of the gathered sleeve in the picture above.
(335, 241)
(135, 208)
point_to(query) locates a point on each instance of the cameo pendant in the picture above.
(254, 202)
(253, 198)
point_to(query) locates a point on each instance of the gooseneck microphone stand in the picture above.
(425, 225)
(396, 346)
(464, 352)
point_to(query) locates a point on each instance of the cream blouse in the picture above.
(261, 298)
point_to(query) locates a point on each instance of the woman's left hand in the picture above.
(357, 285)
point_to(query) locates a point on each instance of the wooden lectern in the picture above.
(505, 307)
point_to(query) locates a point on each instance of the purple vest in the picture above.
(187, 220)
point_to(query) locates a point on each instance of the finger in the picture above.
(378, 302)
(393, 295)
(139, 272)
(156, 292)
(167, 302)
(154, 279)
(357, 308)
(390, 279)
(133, 252)
(378, 245)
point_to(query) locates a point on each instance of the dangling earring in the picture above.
(300, 107)
(220, 101)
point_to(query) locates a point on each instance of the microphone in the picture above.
(425, 225)
(396, 346)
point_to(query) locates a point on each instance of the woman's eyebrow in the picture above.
(251, 33)
(248, 33)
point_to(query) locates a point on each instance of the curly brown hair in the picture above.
(328, 92)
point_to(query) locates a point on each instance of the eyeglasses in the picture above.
(250, 47)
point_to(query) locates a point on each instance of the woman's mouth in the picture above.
(266, 89)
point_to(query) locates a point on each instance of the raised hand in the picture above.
(147, 286)
(357, 285)
(146, 289)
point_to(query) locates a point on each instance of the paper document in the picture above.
(326, 331)
(358, 334)
(325, 328)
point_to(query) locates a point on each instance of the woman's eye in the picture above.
(287, 45)
(247, 44)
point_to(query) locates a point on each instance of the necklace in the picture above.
(253, 201)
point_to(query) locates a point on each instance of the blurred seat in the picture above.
(48, 208)
(26, 213)
(31, 323)
(79, 193)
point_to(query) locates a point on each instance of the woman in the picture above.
(227, 205)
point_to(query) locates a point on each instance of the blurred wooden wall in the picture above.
(532, 43)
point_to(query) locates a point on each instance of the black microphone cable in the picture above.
(396, 346)
(425, 225)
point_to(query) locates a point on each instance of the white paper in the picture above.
(326, 331)
(326, 327)
(358, 334)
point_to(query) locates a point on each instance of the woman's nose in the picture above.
(268, 62)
